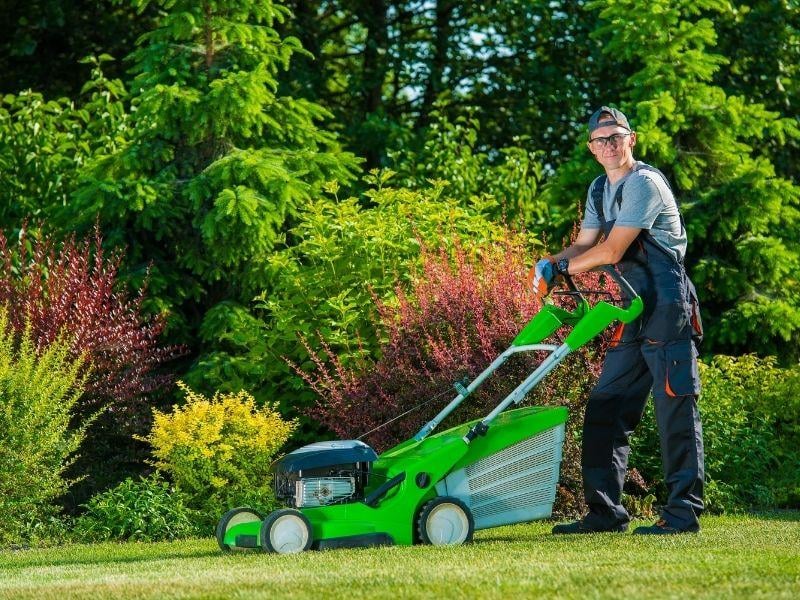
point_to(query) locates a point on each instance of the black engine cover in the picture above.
(325, 454)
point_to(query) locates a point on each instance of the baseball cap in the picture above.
(612, 116)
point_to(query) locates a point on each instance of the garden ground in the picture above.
(742, 556)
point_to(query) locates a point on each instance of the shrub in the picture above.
(49, 530)
(38, 392)
(218, 451)
(44, 143)
(461, 311)
(72, 290)
(143, 510)
(751, 429)
(344, 254)
(505, 179)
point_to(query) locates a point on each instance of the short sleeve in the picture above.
(590, 218)
(642, 202)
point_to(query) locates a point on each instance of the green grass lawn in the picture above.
(734, 556)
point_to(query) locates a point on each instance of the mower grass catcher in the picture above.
(433, 488)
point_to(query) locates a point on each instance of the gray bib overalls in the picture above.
(656, 352)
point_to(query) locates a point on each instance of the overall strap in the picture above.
(597, 197)
(641, 165)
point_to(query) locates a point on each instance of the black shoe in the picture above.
(661, 527)
(582, 527)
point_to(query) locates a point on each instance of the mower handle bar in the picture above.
(557, 355)
(611, 272)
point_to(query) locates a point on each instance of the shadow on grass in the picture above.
(112, 558)
(778, 514)
(490, 536)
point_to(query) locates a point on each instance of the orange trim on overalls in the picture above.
(696, 323)
(667, 387)
(616, 339)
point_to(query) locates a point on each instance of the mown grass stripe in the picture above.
(734, 556)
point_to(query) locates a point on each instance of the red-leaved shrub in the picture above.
(72, 290)
(461, 312)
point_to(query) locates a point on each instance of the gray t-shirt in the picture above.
(647, 203)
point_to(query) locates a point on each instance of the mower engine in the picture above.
(324, 473)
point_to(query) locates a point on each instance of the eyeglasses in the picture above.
(610, 140)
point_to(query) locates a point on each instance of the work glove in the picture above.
(541, 276)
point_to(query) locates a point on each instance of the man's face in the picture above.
(612, 145)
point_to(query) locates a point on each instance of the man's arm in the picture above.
(584, 241)
(609, 252)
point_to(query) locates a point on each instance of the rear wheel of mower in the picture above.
(233, 517)
(445, 521)
(286, 531)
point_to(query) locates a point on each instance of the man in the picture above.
(632, 220)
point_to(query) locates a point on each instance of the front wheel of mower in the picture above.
(236, 516)
(286, 531)
(445, 521)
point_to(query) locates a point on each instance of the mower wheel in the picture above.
(286, 531)
(233, 517)
(445, 521)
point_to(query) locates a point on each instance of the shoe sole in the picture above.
(673, 532)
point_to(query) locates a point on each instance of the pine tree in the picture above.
(743, 221)
(761, 38)
(218, 161)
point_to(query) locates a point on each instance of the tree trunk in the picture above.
(374, 67)
(438, 61)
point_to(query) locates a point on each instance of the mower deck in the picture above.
(429, 468)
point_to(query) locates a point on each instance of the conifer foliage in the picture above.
(218, 160)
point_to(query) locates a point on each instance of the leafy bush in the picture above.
(345, 254)
(460, 313)
(49, 530)
(507, 182)
(218, 451)
(146, 510)
(72, 290)
(44, 143)
(38, 392)
(750, 410)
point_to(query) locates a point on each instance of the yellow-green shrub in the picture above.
(750, 410)
(218, 451)
(38, 392)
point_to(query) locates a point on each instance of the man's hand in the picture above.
(541, 276)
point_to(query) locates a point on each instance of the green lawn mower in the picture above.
(434, 488)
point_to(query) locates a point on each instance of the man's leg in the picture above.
(614, 409)
(675, 389)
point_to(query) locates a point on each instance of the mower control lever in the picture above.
(621, 281)
(573, 290)
(609, 270)
(372, 499)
